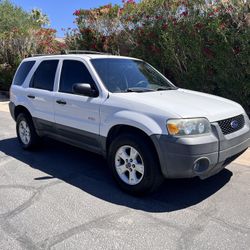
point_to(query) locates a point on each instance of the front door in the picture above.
(77, 117)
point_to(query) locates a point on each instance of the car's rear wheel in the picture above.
(134, 164)
(26, 132)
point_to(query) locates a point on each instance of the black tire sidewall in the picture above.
(152, 174)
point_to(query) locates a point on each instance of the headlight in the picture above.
(182, 127)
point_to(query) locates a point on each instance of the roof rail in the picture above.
(67, 52)
(34, 55)
(84, 52)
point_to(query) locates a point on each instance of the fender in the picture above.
(130, 118)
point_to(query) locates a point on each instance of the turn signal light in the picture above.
(173, 128)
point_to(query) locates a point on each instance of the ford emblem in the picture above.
(234, 124)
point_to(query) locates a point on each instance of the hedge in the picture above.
(196, 45)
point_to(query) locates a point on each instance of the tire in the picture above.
(139, 175)
(25, 129)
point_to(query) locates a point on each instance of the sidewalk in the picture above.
(4, 105)
(244, 159)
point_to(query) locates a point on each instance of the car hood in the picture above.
(183, 103)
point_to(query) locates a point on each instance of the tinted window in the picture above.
(45, 75)
(73, 72)
(22, 72)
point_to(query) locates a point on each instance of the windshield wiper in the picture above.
(166, 88)
(138, 90)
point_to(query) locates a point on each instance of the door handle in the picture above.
(62, 102)
(31, 96)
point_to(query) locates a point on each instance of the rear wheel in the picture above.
(26, 132)
(134, 164)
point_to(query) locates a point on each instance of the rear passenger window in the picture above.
(22, 72)
(44, 75)
(73, 72)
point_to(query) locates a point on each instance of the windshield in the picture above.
(127, 75)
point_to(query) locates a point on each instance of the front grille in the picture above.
(231, 125)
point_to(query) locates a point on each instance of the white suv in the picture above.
(125, 110)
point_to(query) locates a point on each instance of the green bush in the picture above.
(198, 46)
(6, 75)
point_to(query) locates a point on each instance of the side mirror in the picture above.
(84, 89)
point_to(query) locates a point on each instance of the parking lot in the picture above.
(61, 197)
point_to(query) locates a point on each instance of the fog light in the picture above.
(201, 165)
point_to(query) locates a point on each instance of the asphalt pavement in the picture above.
(62, 197)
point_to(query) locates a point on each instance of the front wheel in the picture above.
(134, 164)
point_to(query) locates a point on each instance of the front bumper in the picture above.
(178, 156)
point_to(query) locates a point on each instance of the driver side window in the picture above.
(73, 72)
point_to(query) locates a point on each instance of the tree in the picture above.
(21, 34)
(40, 18)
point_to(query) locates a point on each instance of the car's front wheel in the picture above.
(134, 164)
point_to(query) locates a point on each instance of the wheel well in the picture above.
(124, 129)
(21, 109)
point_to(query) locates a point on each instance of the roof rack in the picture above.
(34, 55)
(84, 52)
(68, 52)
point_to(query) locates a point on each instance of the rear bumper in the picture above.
(12, 108)
(201, 156)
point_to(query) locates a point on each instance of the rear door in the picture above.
(40, 95)
(77, 117)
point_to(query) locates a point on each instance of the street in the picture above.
(61, 197)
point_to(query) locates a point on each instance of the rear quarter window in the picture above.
(22, 72)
